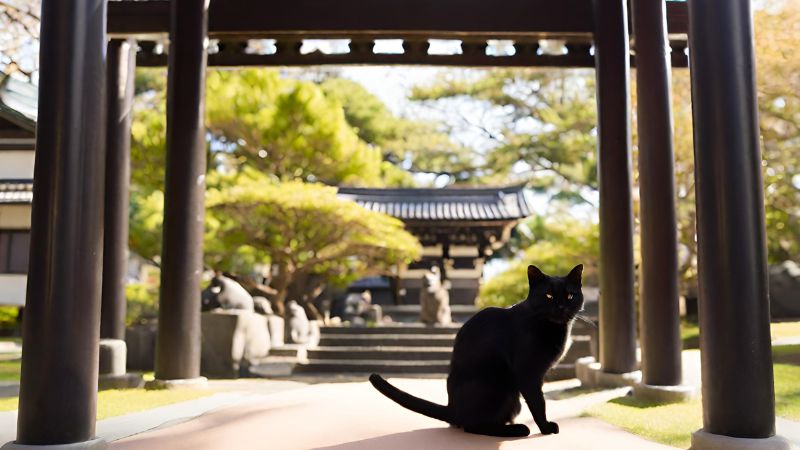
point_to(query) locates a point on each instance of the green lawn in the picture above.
(673, 424)
(690, 335)
(110, 403)
(787, 390)
(9, 370)
(690, 332)
(668, 424)
(125, 401)
(786, 354)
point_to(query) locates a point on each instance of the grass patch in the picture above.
(690, 335)
(125, 401)
(786, 354)
(113, 403)
(787, 391)
(9, 370)
(674, 424)
(668, 424)
(690, 332)
(8, 403)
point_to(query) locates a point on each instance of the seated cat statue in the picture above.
(262, 305)
(225, 293)
(434, 299)
(501, 353)
(299, 327)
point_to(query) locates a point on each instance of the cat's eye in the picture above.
(569, 296)
(550, 296)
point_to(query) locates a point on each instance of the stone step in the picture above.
(579, 328)
(410, 313)
(387, 340)
(461, 309)
(441, 367)
(392, 329)
(381, 353)
(295, 351)
(372, 366)
(580, 347)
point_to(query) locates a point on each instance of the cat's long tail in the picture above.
(408, 401)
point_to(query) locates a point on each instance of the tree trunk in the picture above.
(304, 289)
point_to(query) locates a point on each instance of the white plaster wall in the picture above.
(16, 164)
(12, 289)
(15, 217)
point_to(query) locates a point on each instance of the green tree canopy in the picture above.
(778, 71)
(540, 127)
(417, 145)
(311, 236)
(287, 129)
(778, 86)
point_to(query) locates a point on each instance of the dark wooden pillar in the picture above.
(119, 94)
(738, 396)
(178, 347)
(58, 388)
(658, 308)
(617, 315)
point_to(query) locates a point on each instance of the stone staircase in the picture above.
(410, 313)
(400, 349)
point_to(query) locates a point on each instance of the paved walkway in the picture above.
(350, 414)
(354, 416)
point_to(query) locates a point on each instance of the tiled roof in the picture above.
(455, 204)
(18, 102)
(16, 191)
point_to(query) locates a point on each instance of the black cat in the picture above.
(500, 354)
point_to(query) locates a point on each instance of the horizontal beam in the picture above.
(527, 54)
(254, 19)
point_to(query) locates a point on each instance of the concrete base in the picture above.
(586, 369)
(124, 381)
(664, 394)
(590, 373)
(94, 444)
(709, 441)
(186, 383)
(141, 343)
(113, 356)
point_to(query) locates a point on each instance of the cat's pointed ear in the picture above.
(534, 275)
(574, 275)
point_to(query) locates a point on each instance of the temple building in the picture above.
(17, 140)
(458, 228)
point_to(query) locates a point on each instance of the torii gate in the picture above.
(74, 166)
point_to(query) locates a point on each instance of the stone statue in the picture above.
(434, 299)
(275, 323)
(299, 327)
(360, 310)
(225, 293)
(262, 305)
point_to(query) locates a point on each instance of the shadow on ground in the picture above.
(427, 438)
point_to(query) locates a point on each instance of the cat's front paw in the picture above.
(549, 428)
